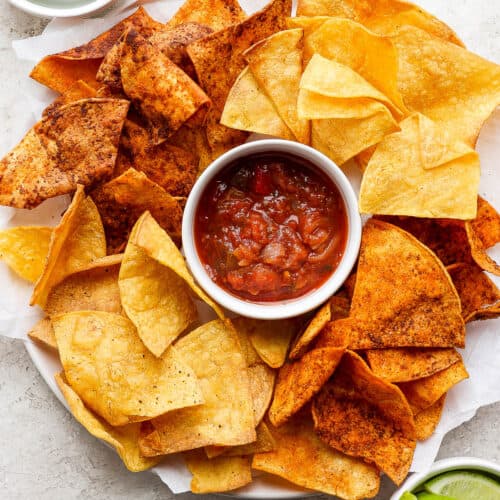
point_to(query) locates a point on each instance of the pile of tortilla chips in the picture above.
(327, 401)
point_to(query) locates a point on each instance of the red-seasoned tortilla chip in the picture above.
(427, 420)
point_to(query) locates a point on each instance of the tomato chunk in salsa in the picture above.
(270, 227)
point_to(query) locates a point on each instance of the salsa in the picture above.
(270, 227)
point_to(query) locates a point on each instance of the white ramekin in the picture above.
(43, 11)
(286, 308)
(446, 465)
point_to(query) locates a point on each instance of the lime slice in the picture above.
(464, 486)
(408, 496)
(432, 496)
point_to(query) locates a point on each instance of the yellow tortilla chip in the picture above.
(24, 250)
(382, 16)
(421, 171)
(276, 64)
(108, 366)
(43, 333)
(302, 458)
(424, 392)
(412, 363)
(455, 88)
(427, 420)
(155, 298)
(75, 145)
(480, 297)
(75, 242)
(79, 90)
(298, 382)
(214, 475)
(364, 416)
(217, 14)
(226, 418)
(249, 108)
(93, 287)
(123, 439)
(124, 199)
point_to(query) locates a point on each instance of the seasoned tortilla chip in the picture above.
(427, 420)
(250, 109)
(276, 64)
(422, 171)
(217, 14)
(302, 458)
(75, 145)
(155, 299)
(123, 200)
(43, 334)
(123, 439)
(150, 237)
(24, 249)
(159, 89)
(60, 71)
(108, 366)
(91, 288)
(298, 382)
(424, 392)
(226, 418)
(450, 85)
(416, 304)
(76, 242)
(79, 90)
(411, 363)
(214, 475)
(382, 16)
(362, 415)
(480, 297)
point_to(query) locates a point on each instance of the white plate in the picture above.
(37, 9)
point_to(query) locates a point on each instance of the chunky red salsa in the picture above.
(270, 227)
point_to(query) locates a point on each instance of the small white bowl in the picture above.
(46, 11)
(285, 308)
(446, 465)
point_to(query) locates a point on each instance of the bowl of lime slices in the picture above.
(459, 478)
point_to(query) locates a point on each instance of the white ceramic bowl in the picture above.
(71, 11)
(446, 465)
(286, 308)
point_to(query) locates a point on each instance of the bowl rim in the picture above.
(43, 11)
(292, 307)
(446, 465)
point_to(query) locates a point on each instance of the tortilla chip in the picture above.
(364, 416)
(155, 298)
(214, 475)
(123, 200)
(249, 108)
(421, 171)
(43, 333)
(79, 90)
(427, 420)
(455, 88)
(150, 237)
(276, 64)
(424, 392)
(302, 458)
(159, 89)
(480, 297)
(60, 71)
(298, 382)
(404, 365)
(416, 304)
(24, 249)
(75, 145)
(226, 418)
(108, 366)
(123, 439)
(91, 288)
(382, 16)
(75, 242)
(217, 14)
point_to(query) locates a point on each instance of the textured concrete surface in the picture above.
(44, 453)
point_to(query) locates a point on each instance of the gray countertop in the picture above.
(44, 453)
